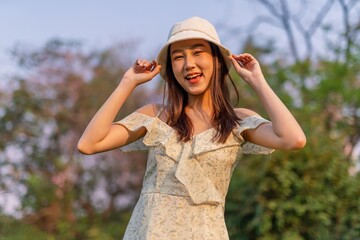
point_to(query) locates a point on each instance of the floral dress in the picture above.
(185, 184)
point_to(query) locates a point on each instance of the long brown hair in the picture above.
(224, 118)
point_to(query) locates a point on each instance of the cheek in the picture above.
(177, 69)
(206, 62)
(209, 66)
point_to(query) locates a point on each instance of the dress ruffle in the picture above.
(251, 122)
(189, 172)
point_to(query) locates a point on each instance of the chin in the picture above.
(196, 93)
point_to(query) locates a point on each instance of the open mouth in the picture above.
(193, 77)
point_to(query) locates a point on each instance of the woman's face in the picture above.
(192, 64)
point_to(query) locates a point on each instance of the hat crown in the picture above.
(191, 28)
(195, 24)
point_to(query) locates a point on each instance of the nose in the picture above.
(189, 62)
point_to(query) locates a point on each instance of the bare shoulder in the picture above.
(244, 112)
(151, 110)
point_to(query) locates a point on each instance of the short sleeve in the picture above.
(134, 122)
(252, 122)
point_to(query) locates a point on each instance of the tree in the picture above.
(310, 194)
(60, 88)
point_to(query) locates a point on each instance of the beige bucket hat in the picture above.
(191, 28)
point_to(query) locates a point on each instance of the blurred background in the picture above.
(59, 61)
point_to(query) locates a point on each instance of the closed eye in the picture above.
(176, 57)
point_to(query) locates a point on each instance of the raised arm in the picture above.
(284, 133)
(101, 135)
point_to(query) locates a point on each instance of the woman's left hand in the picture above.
(284, 132)
(247, 67)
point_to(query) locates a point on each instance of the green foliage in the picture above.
(42, 119)
(42, 192)
(308, 194)
(303, 195)
(83, 229)
(11, 229)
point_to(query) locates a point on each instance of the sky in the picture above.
(102, 23)
(98, 24)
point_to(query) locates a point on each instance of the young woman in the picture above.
(196, 138)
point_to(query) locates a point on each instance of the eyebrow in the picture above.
(192, 47)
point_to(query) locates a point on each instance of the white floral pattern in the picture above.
(185, 184)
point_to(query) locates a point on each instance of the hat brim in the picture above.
(186, 35)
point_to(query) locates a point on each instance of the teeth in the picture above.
(193, 76)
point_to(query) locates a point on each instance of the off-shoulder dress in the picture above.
(185, 183)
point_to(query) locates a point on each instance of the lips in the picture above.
(192, 78)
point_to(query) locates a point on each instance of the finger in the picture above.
(142, 65)
(236, 63)
(150, 66)
(239, 59)
(155, 71)
(139, 62)
(153, 64)
(137, 68)
(244, 58)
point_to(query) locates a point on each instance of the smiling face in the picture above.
(192, 64)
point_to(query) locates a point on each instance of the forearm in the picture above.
(284, 124)
(284, 132)
(100, 134)
(100, 124)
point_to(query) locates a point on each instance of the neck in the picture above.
(201, 102)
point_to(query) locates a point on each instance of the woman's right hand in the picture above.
(101, 134)
(142, 71)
